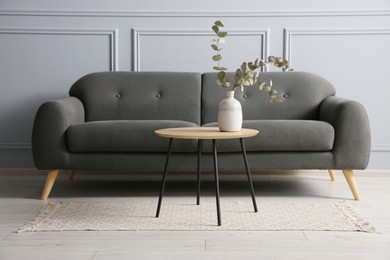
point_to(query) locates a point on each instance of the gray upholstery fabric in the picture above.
(301, 92)
(183, 162)
(135, 162)
(259, 161)
(353, 138)
(282, 136)
(48, 137)
(125, 136)
(140, 96)
(108, 124)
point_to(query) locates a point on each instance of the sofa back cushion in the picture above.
(140, 96)
(301, 92)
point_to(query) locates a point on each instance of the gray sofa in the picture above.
(108, 123)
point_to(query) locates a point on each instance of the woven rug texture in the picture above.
(238, 216)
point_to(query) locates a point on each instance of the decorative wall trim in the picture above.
(112, 33)
(199, 13)
(289, 33)
(287, 49)
(138, 33)
(380, 148)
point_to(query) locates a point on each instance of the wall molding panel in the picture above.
(113, 53)
(111, 33)
(289, 33)
(137, 34)
(287, 51)
(380, 148)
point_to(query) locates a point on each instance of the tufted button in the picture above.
(285, 95)
(245, 96)
(158, 95)
(118, 95)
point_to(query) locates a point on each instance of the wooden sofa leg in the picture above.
(51, 178)
(71, 175)
(352, 183)
(332, 175)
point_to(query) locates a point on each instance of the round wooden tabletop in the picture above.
(204, 133)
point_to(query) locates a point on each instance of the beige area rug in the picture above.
(239, 216)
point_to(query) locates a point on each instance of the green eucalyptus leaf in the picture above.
(226, 84)
(243, 67)
(221, 75)
(219, 68)
(221, 34)
(215, 47)
(238, 75)
(262, 85)
(279, 59)
(217, 57)
(218, 23)
(271, 58)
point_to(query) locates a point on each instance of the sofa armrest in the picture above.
(48, 137)
(352, 146)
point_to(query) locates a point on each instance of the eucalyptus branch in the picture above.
(220, 40)
(248, 73)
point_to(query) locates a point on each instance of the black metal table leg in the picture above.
(199, 170)
(248, 174)
(164, 178)
(216, 181)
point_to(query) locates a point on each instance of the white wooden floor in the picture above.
(19, 202)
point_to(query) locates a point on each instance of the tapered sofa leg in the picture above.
(332, 175)
(71, 175)
(51, 178)
(352, 183)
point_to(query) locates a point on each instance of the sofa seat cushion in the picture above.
(281, 135)
(126, 136)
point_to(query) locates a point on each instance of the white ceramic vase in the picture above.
(230, 114)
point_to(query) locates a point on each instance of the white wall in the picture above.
(46, 45)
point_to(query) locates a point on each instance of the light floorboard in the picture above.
(62, 245)
(19, 202)
(41, 254)
(341, 246)
(248, 255)
(155, 235)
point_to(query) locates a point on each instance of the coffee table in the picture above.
(205, 133)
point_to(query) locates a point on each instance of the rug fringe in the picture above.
(42, 215)
(350, 212)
